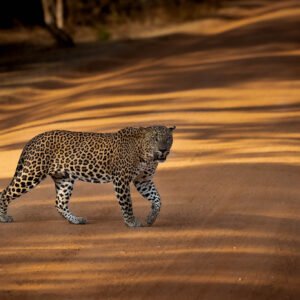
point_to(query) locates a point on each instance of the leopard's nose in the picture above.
(163, 150)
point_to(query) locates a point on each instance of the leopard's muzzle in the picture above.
(161, 155)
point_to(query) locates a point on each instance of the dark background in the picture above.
(29, 13)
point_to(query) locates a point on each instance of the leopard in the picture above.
(129, 155)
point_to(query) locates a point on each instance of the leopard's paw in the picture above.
(6, 219)
(134, 222)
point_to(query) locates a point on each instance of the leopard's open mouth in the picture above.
(161, 156)
(162, 160)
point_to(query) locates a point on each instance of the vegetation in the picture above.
(80, 12)
(63, 17)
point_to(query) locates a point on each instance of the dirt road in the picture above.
(229, 227)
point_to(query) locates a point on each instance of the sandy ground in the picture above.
(229, 227)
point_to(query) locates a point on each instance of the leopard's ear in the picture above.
(172, 128)
(145, 131)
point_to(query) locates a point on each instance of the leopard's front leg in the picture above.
(122, 190)
(148, 190)
(64, 188)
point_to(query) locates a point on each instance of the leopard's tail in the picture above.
(2, 193)
(2, 204)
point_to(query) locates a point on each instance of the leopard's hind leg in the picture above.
(23, 180)
(64, 188)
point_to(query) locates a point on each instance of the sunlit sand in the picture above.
(229, 228)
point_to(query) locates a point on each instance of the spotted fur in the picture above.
(129, 155)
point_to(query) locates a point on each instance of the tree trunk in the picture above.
(53, 18)
(60, 14)
(47, 13)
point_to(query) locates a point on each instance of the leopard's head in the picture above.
(161, 140)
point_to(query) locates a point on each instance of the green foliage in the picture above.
(82, 12)
(103, 33)
(111, 12)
